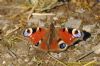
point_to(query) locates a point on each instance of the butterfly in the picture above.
(53, 39)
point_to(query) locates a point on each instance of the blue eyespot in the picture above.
(27, 32)
(62, 46)
(76, 33)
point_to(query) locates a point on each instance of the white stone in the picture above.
(3, 62)
(26, 59)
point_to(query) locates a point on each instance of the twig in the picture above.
(14, 7)
(43, 14)
(84, 56)
(32, 10)
(12, 54)
(94, 50)
(30, 14)
(40, 10)
(12, 30)
(53, 6)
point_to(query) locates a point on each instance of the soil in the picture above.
(17, 50)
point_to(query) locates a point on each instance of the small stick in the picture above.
(33, 8)
(84, 56)
(95, 50)
(39, 14)
(12, 30)
(12, 54)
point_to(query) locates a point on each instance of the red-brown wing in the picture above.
(38, 37)
(67, 37)
(64, 39)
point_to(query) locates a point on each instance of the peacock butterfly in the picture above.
(53, 39)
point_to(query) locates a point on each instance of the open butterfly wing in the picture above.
(39, 39)
(61, 41)
(66, 37)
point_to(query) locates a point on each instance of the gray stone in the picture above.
(73, 23)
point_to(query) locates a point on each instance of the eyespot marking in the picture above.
(76, 33)
(28, 32)
(62, 45)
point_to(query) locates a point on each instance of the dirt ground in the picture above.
(16, 16)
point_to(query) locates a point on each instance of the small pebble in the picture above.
(4, 62)
(26, 60)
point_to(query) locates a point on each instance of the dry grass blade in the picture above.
(57, 60)
(31, 11)
(95, 50)
(43, 14)
(12, 30)
(89, 63)
(12, 54)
